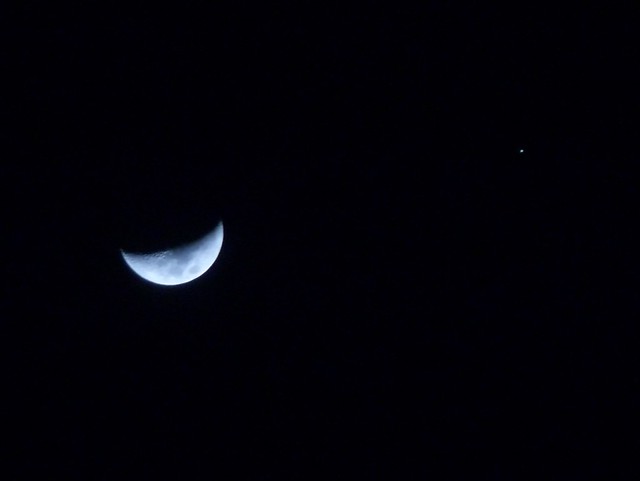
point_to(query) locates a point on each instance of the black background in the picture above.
(401, 293)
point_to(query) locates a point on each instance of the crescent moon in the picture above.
(178, 265)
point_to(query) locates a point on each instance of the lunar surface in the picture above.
(179, 265)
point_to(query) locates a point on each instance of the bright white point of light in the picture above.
(521, 151)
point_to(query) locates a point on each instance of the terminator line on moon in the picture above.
(179, 265)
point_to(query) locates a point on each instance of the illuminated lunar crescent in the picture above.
(179, 265)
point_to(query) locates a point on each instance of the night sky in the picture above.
(430, 264)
